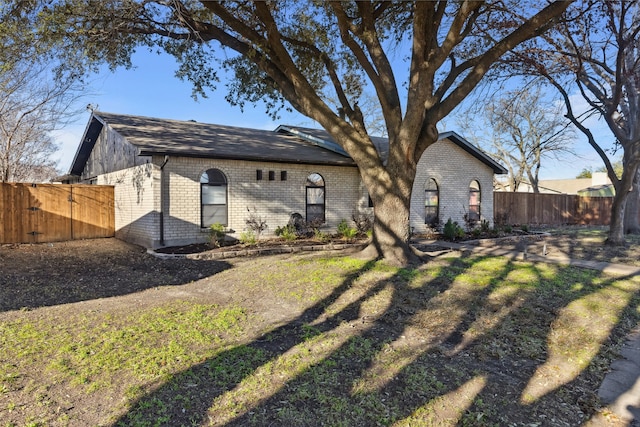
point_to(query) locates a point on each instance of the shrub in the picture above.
(312, 227)
(345, 231)
(217, 234)
(288, 232)
(320, 236)
(452, 230)
(256, 224)
(248, 238)
(363, 222)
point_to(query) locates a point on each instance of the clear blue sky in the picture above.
(151, 89)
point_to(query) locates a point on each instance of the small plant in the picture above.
(288, 232)
(363, 222)
(313, 226)
(320, 236)
(256, 224)
(217, 234)
(525, 228)
(345, 231)
(452, 230)
(248, 237)
(485, 227)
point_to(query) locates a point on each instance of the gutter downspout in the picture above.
(166, 159)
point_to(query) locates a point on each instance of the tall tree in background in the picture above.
(31, 108)
(306, 52)
(33, 103)
(522, 129)
(596, 56)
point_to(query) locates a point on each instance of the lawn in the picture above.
(320, 339)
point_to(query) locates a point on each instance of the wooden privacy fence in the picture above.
(36, 213)
(550, 209)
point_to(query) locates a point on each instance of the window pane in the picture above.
(474, 198)
(315, 196)
(213, 176)
(431, 198)
(431, 215)
(212, 214)
(474, 213)
(315, 213)
(214, 195)
(315, 180)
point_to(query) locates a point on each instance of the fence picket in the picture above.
(36, 213)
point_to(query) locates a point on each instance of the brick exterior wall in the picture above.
(273, 201)
(453, 170)
(140, 201)
(137, 203)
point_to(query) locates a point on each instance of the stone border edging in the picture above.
(211, 255)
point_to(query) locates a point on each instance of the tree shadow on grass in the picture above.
(51, 274)
(475, 341)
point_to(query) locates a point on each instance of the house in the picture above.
(175, 178)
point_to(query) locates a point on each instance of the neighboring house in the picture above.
(598, 185)
(175, 178)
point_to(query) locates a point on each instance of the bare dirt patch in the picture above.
(37, 275)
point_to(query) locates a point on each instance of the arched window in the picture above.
(213, 196)
(315, 198)
(431, 202)
(474, 201)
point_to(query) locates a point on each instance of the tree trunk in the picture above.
(618, 208)
(390, 240)
(616, 228)
(631, 214)
(391, 206)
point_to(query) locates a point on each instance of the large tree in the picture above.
(520, 128)
(35, 99)
(305, 53)
(596, 56)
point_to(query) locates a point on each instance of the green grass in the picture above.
(472, 341)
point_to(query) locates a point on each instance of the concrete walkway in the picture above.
(620, 389)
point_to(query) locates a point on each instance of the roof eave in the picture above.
(89, 137)
(142, 151)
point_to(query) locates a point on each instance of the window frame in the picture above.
(435, 217)
(311, 185)
(475, 211)
(222, 183)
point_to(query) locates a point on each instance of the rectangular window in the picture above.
(431, 207)
(315, 204)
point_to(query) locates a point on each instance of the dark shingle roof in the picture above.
(192, 139)
(288, 144)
